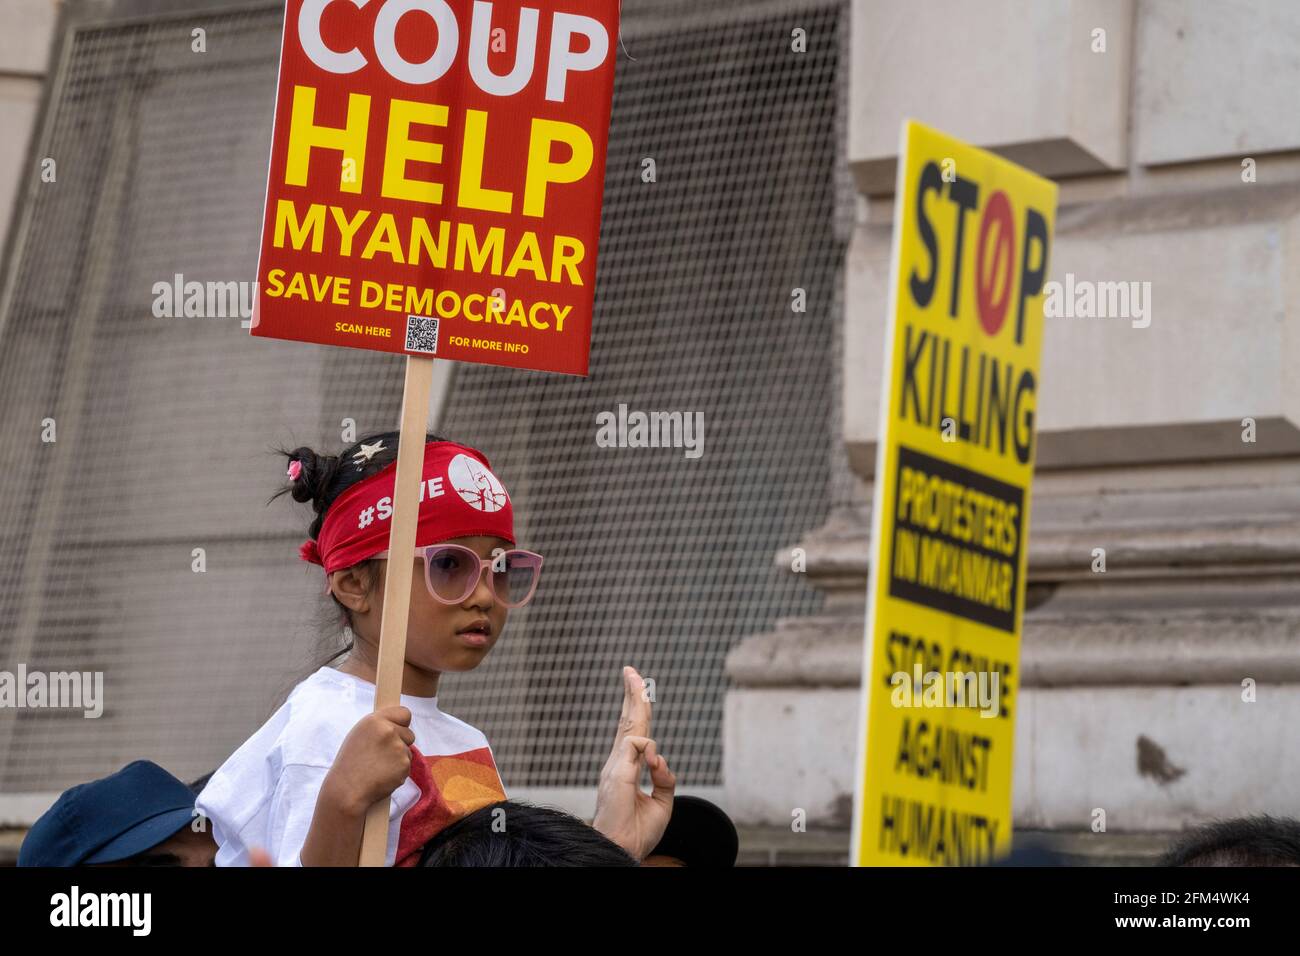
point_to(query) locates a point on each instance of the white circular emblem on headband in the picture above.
(476, 484)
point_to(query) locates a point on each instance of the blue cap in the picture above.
(109, 820)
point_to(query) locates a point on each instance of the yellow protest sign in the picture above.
(950, 523)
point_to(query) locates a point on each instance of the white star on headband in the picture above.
(367, 452)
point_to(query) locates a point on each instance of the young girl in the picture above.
(300, 787)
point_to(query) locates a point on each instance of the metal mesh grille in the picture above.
(653, 559)
(163, 424)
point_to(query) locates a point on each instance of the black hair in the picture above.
(513, 833)
(1245, 841)
(322, 479)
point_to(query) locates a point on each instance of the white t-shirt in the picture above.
(265, 793)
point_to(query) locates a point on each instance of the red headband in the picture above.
(459, 497)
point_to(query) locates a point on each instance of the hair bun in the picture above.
(306, 469)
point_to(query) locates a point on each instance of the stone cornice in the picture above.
(1194, 559)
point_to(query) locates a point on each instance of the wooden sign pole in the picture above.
(397, 583)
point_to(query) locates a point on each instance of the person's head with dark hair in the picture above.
(698, 834)
(511, 833)
(457, 612)
(1245, 841)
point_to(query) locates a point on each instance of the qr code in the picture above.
(421, 335)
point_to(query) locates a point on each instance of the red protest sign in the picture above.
(436, 175)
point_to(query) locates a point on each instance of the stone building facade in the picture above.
(1162, 691)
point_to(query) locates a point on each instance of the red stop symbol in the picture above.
(994, 256)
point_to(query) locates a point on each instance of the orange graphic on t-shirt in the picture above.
(451, 786)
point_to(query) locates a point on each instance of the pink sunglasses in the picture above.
(452, 572)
